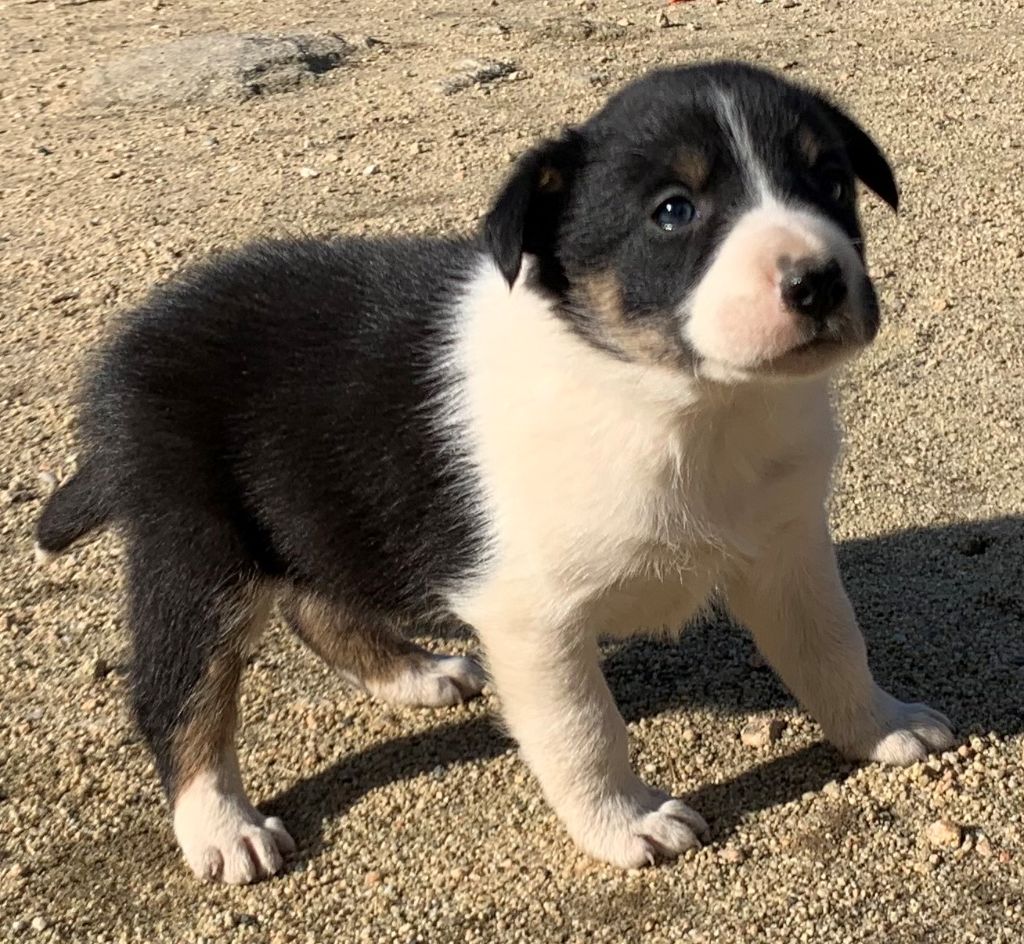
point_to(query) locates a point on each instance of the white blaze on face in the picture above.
(736, 319)
(735, 126)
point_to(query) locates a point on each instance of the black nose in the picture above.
(813, 288)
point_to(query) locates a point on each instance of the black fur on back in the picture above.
(296, 388)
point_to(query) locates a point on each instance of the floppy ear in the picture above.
(866, 158)
(526, 215)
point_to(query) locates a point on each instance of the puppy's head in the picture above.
(705, 217)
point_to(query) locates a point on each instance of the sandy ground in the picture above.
(420, 826)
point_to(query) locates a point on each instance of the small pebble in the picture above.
(308, 172)
(943, 832)
(733, 855)
(39, 923)
(762, 732)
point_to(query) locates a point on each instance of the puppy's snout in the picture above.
(813, 288)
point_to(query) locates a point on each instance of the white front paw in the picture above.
(224, 837)
(643, 828)
(901, 733)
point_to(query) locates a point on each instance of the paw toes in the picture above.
(208, 865)
(281, 835)
(642, 828)
(932, 727)
(263, 852)
(239, 867)
(934, 738)
(465, 674)
(666, 834)
(239, 852)
(900, 749)
(446, 692)
(432, 681)
(654, 851)
(909, 733)
(680, 812)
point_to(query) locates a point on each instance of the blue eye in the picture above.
(674, 213)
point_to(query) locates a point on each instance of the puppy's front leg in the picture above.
(793, 601)
(558, 707)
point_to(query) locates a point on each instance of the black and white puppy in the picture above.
(609, 406)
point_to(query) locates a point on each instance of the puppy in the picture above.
(609, 406)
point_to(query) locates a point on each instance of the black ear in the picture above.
(866, 157)
(527, 212)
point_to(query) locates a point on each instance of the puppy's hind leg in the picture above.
(372, 656)
(196, 607)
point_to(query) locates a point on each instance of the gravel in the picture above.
(421, 826)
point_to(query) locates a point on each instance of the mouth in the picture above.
(821, 342)
(815, 354)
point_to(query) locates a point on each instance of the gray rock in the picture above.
(216, 66)
(474, 72)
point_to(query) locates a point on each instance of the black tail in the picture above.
(75, 509)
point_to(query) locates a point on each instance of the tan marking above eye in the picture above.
(693, 167)
(809, 144)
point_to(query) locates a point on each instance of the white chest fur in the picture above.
(617, 492)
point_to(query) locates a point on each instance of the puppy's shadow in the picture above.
(943, 612)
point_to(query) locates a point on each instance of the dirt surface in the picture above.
(420, 826)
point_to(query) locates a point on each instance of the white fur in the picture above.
(433, 682)
(619, 497)
(44, 558)
(222, 835)
(735, 125)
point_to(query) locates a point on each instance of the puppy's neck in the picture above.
(521, 336)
